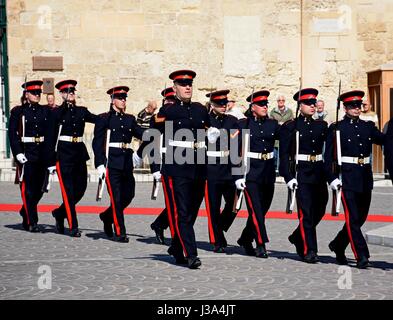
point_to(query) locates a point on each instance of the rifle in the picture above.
(20, 169)
(293, 159)
(49, 177)
(240, 195)
(101, 180)
(336, 202)
(154, 190)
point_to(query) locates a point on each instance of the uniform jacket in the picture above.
(36, 125)
(357, 137)
(122, 128)
(72, 118)
(263, 134)
(312, 136)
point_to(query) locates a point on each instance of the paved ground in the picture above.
(93, 267)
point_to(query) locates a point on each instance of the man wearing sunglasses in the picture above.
(304, 171)
(357, 138)
(69, 154)
(117, 169)
(184, 165)
(258, 184)
(28, 133)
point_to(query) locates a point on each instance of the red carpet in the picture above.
(5, 207)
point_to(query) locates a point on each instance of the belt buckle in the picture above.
(75, 139)
(124, 145)
(196, 145)
(37, 139)
(263, 156)
(313, 158)
(361, 160)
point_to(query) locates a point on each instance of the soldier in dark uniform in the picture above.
(259, 183)
(388, 147)
(220, 182)
(357, 137)
(161, 223)
(70, 154)
(308, 175)
(28, 133)
(118, 168)
(184, 166)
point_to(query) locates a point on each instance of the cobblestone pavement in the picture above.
(93, 267)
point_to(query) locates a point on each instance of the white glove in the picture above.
(21, 158)
(136, 160)
(336, 184)
(292, 184)
(52, 169)
(157, 176)
(213, 134)
(101, 171)
(240, 184)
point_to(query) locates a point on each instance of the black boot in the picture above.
(123, 239)
(34, 228)
(107, 226)
(25, 225)
(159, 234)
(248, 248)
(59, 222)
(219, 248)
(340, 255)
(311, 257)
(75, 233)
(261, 252)
(194, 262)
(299, 247)
(179, 257)
(363, 263)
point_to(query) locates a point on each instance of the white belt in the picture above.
(260, 156)
(309, 157)
(218, 154)
(70, 139)
(33, 139)
(187, 144)
(356, 160)
(121, 145)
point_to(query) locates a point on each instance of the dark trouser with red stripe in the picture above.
(356, 206)
(73, 184)
(121, 188)
(311, 202)
(33, 179)
(162, 220)
(186, 198)
(258, 197)
(215, 190)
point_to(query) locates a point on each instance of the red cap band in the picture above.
(219, 97)
(34, 87)
(66, 86)
(169, 94)
(260, 98)
(183, 76)
(353, 98)
(308, 96)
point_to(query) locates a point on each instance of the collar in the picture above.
(305, 118)
(350, 119)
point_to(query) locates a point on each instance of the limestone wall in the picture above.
(230, 44)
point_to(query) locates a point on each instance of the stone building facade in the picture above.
(231, 44)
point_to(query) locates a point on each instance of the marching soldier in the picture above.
(184, 167)
(258, 185)
(70, 154)
(28, 136)
(357, 137)
(161, 223)
(307, 136)
(219, 169)
(117, 170)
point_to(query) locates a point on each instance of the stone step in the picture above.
(382, 236)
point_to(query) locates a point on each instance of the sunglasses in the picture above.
(120, 96)
(35, 92)
(310, 102)
(353, 105)
(184, 83)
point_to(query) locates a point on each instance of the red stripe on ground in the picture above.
(9, 207)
